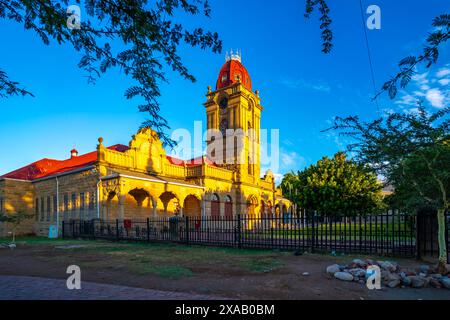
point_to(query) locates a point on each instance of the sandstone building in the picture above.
(140, 181)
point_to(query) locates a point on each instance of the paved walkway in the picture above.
(34, 288)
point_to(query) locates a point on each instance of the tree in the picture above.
(15, 219)
(335, 186)
(136, 36)
(429, 55)
(412, 151)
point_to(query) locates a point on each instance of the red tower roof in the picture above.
(232, 72)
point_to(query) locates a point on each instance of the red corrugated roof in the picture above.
(47, 167)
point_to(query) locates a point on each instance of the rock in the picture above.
(435, 283)
(423, 274)
(370, 262)
(445, 282)
(406, 281)
(392, 280)
(424, 269)
(385, 275)
(436, 276)
(360, 263)
(393, 283)
(305, 274)
(393, 276)
(298, 253)
(344, 276)
(389, 266)
(358, 272)
(418, 282)
(333, 269)
(447, 269)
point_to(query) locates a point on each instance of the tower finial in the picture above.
(234, 56)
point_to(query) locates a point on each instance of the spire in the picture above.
(233, 56)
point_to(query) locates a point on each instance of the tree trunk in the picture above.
(14, 235)
(442, 239)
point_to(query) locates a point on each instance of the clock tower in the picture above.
(233, 113)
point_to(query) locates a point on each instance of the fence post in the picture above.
(62, 231)
(186, 225)
(418, 244)
(117, 229)
(271, 231)
(239, 229)
(446, 234)
(360, 235)
(148, 230)
(313, 232)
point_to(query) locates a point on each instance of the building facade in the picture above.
(139, 181)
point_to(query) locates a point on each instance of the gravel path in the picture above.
(34, 288)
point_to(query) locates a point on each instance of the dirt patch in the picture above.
(242, 274)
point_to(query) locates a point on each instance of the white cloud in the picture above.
(444, 82)
(421, 78)
(291, 159)
(278, 178)
(427, 86)
(435, 97)
(407, 99)
(300, 83)
(443, 72)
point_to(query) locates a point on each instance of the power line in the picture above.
(372, 73)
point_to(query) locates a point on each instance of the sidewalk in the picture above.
(34, 288)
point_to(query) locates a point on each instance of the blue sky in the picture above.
(301, 88)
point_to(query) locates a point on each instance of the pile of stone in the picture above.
(392, 275)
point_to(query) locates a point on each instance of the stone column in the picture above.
(181, 212)
(222, 209)
(121, 206)
(154, 208)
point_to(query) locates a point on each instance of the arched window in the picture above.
(228, 207)
(215, 206)
(262, 209)
(215, 197)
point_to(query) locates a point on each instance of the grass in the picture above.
(166, 271)
(166, 260)
(398, 231)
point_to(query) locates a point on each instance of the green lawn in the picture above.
(400, 231)
(171, 261)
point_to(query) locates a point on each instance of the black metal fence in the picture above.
(395, 234)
